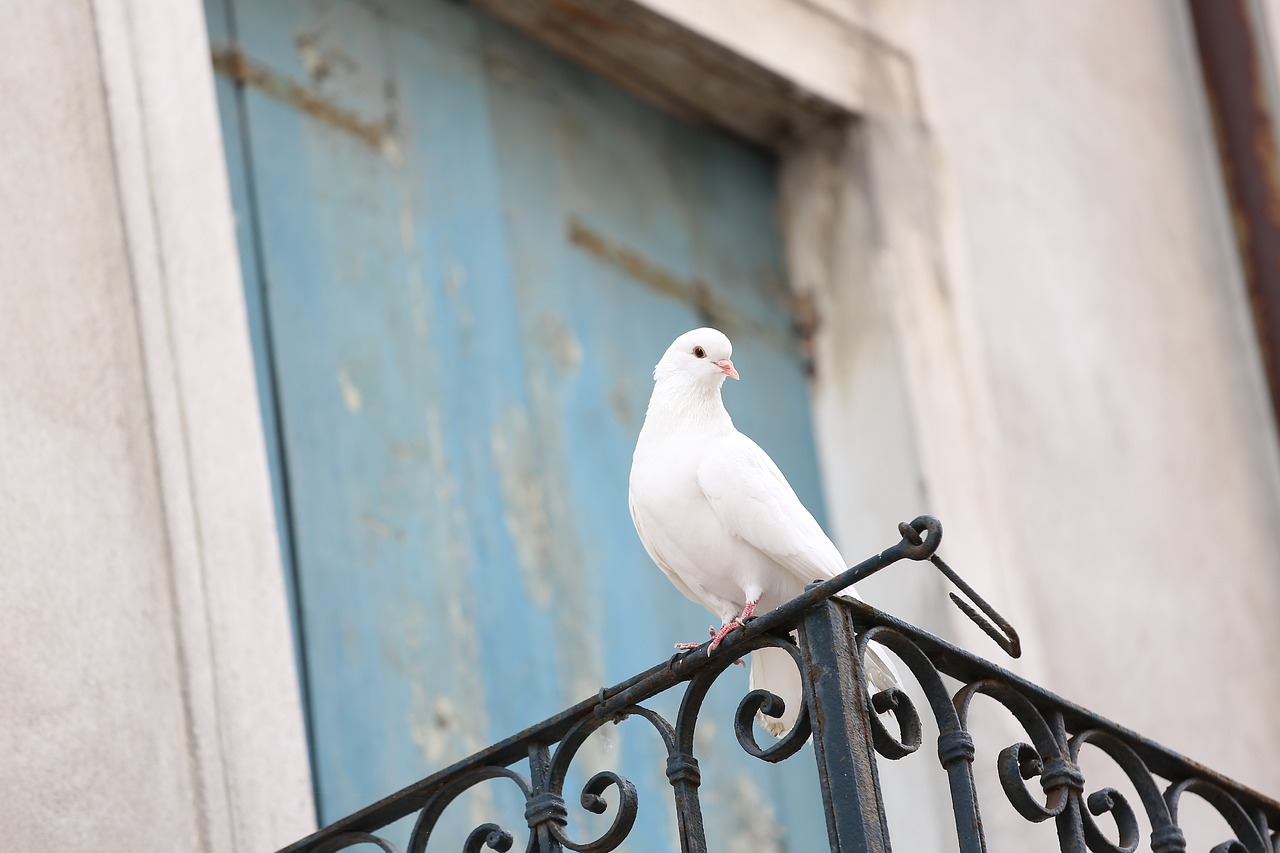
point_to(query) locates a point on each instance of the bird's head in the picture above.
(700, 357)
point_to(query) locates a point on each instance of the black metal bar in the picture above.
(841, 737)
(682, 770)
(968, 667)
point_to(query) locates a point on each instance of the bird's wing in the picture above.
(651, 548)
(756, 504)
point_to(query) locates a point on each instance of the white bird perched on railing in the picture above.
(720, 520)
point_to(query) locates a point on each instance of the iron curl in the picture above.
(351, 839)
(487, 834)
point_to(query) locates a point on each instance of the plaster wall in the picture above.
(1123, 414)
(148, 682)
(84, 581)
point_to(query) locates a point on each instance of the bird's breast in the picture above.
(680, 524)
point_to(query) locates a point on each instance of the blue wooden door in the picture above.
(463, 255)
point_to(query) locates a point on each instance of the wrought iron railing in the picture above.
(827, 638)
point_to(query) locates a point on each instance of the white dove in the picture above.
(720, 520)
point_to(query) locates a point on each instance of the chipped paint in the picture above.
(433, 726)
(312, 61)
(540, 522)
(352, 399)
(237, 65)
(408, 228)
(558, 339)
(697, 294)
(391, 151)
(446, 717)
(321, 60)
(417, 287)
(455, 282)
(577, 626)
(647, 272)
(448, 509)
(524, 508)
(444, 734)
(437, 727)
(380, 528)
(621, 396)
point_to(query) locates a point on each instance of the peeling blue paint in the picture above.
(459, 384)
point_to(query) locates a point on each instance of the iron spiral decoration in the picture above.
(546, 811)
(827, 639)
(1056, 733)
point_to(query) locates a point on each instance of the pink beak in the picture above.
(727, 366)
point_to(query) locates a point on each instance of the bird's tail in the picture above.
(881, 673)
(774, 670)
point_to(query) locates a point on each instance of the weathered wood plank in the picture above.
(472, 253)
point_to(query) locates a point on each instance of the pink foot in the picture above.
(684, 647)
(747, 612)
(719, 636)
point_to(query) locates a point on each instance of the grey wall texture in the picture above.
(148, 681)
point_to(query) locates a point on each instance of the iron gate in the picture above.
(827, 639)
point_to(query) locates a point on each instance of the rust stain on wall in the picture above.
(653, 276)
(635, 265)
(234, 63)
(711, 310)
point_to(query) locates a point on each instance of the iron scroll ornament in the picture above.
(1056, 732)
(545, 809)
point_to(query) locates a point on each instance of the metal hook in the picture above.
(920, 540)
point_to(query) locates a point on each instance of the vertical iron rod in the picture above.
(842, 733)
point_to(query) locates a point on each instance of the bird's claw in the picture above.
(748, 611)
(717, 637)
(734, 624)
(684, 647)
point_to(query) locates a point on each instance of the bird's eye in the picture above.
(699, 352)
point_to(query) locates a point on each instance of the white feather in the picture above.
(719, 518)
